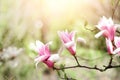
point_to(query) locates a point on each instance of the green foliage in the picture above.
(71, 73)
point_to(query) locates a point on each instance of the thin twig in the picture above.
(111, 59)
(76, 59)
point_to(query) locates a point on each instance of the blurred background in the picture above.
(24, 21)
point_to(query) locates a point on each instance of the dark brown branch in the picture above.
(87, 67)
(111, 59)
(80, 66)
(76, 59)
(109, 66)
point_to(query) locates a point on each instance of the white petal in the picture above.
(110, 21)
(99, 34)
(116, 51)
(39, 43)
(69, 44)
(54, 57)
(98, 26)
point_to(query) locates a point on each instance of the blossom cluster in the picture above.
(107, 30)
(45, 56)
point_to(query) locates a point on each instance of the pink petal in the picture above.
(72, 50)
(49, 63)
(40, 47)
(47, 51)
(109, 46)
(112, 31)
(41, 58)
(63, 36)
(68, 41)
(72, 35)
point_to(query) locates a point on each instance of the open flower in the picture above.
(113, 47)
(68, 40)
(45, 55)
(107, 28)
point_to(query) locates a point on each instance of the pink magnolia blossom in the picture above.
(45, 55)
(68, 40)
(107, 28)
(113, 47)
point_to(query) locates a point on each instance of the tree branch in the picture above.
(87, 67)
(76, 60)
(109, 66)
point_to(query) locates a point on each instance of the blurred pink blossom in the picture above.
(113, 47)
(45, 55)
(68, 40)
(107, 28)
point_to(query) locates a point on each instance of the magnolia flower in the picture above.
(44, 54)
(113, 49)
(69, 41)
(107, 28)
(117, 45)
